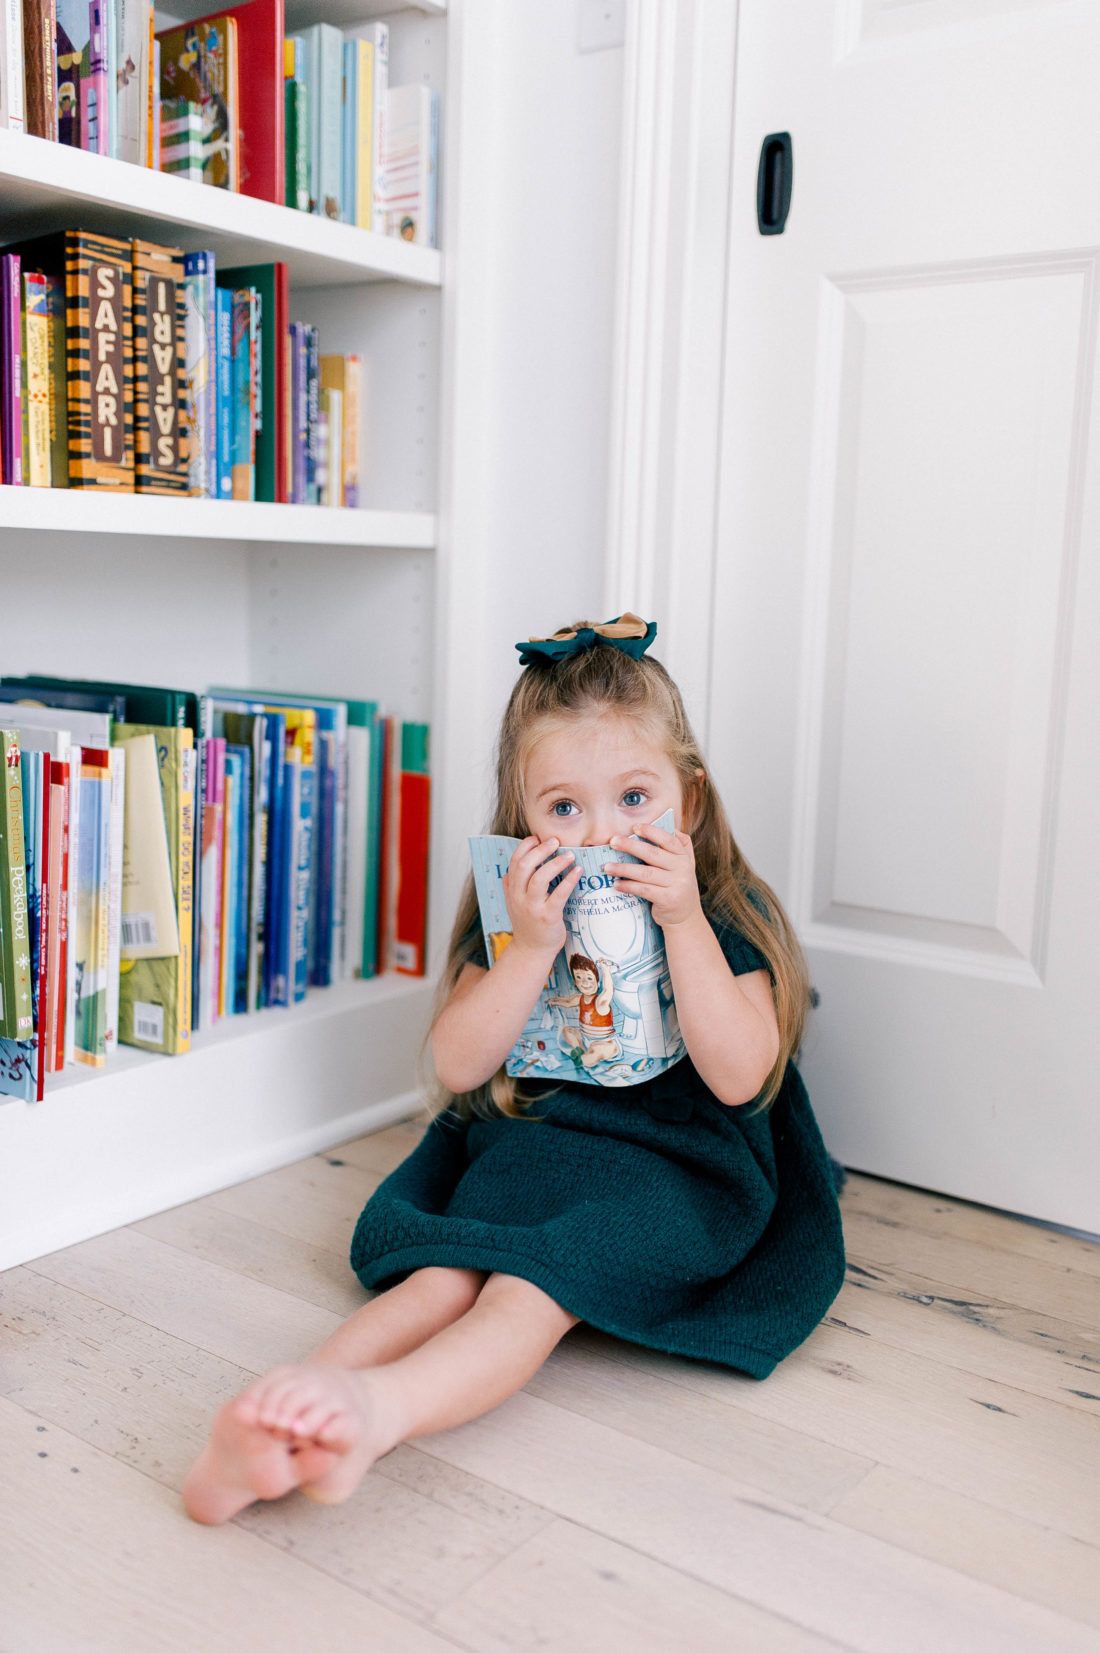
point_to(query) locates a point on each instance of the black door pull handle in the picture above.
(774, 180)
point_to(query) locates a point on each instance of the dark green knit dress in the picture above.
(653, 1212)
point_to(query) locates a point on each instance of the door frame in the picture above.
(669, 357)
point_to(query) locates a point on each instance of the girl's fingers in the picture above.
(621, 870)
(566, 887)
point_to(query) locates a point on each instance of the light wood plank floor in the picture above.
(922, 1476)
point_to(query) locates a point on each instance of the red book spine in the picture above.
(260, 114)
(385, 844)
(55, 1057)
(44, 1003)
(410, 930)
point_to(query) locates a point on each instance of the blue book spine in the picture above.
(351, 132)
(243, 429)
(313, 415)
(19, 1057)
(299, 412)
(325, 58)
(212, 346)
(292, 791)
(236, 992)
(324, 836)
(232, 900)
(224, 358)
(200, 370)
(304, 858)
(275, 983)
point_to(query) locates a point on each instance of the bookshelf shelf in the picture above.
(348, 602)
(90, 511)
(47, 186)
(147, 1132)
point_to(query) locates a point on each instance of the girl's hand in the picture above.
(666, 877)
(535, 910)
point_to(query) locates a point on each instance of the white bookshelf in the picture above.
(190, 591)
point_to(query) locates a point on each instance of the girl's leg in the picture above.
(246, 1458)
(399, 1320)
(348, 1418)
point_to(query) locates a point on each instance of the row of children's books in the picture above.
(169, 859)
(308, 120)
(134, 366)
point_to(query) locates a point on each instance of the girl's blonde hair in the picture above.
(604, 680)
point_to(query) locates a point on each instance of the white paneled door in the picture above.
(906, 648)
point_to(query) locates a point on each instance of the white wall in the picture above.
(531, 251)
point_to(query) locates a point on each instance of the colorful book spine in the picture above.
(411, 922)
(303, 866)
(11, 66)
(324, 74)
(237, 999)
(69, 1038)
(296, 113)
(100, 355)
(134, 79)
(55, 1060)
(95, 101)
(161, 392)
(243, 420)
(40, 68)
(199, 374)
(313, 416)
(223, 302)
(93, 907)
(11, 371)
(155, 993)
(332, 423)
(230, 869)
(22, 1063)
(275, 941)
(57, 894)
(353, 417)
(117, 767)
(377, 35)
(409, 164)
(59, 390)
(16, 1015)
(299, 402)
(213, 844)
(37, 388)
(181, 144)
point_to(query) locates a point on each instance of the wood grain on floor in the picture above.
(921, 1476)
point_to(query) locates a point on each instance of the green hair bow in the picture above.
(628, 633)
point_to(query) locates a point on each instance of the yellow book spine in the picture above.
(188, 769)
(37, 385)
(364, 203)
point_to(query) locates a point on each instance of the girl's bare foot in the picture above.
(314, 1427)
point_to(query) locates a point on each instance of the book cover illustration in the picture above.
(606, 1015)
(198, 62)
(82, 92)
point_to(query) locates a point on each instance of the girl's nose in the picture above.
(598, 833)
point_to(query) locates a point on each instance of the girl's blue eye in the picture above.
(632, 798)
(562, 807)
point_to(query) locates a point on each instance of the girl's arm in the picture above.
(728, 1022)
(486, 1013)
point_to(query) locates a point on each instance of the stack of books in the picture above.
(188, 379)
(169, 859)
(307, 120)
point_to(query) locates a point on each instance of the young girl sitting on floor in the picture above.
(670, 1212)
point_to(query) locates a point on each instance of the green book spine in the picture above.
(16, 1015)
(155, 993)
(296, 104)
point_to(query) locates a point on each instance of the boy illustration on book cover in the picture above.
(606, 1015)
